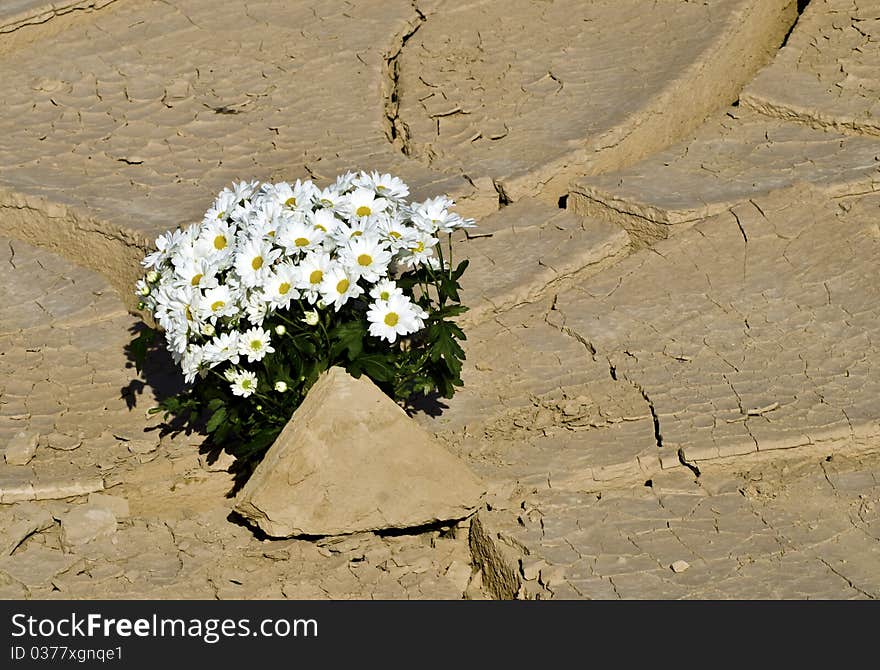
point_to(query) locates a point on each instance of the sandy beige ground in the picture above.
(671, 385)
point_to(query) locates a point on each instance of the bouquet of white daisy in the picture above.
(281, 281)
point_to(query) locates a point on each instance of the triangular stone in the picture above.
(351, 460)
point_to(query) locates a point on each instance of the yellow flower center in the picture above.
(320, 227)
(342, 286)
(365, 260)
(196, 279)
(290, 202)
(220, 242)
(384, 295)
(363, 210)
(284, 288)
(271, 233)
(316, 277)
(357, 233)
(246, 383)
(380, 187)
(301, 242)
(189, 314)
(256, 345)
(326, 203)
(217, 305)
(221, 215)
(394, 234)
(419, 248)
(257, 263)
(391, 319)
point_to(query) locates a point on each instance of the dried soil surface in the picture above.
(670, 387)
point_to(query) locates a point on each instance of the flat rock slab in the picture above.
(536, 92)
(36, 566)
(117, 505)
(21, 448)
(762, 533)
(735, 157)
(26, 524)
(21, 484)
(147, 146)
(752, 331)
(15, 14)
(826, 75)
(522, 250)
(351, 460)
(86, 523)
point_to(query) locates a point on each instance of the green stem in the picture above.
(290, 322)
(441, 301)
(449, 238)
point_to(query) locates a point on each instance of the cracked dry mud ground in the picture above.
(671, 386)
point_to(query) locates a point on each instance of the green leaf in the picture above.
(349, 338)
(216, 419)
(222, 433)
(375, 366)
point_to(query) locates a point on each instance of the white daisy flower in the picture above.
(344, 181)
(216, 240)
(195, 272)
(165, 245)
(435, 264)
(242, 190)
(338, 286)
(192, 362)
(244, 384)
(299, 196)
(250, 215)
(217, 301)
(331, 199)
(395, 232)
(297, 235)
(224, 347)
(421, 250)
(253, 261)
(223, 206)
(311, 272)
(465, 223)
(280, 192)
(256, 306)
(255, 344)
(366, 258)
(177, 337)
(384, 289)
(175, 305)
(279, 286)
(348, 230)
(385, 185)
(363, 203)
(393, 317)
(324, 220)
(266, 219)
(433, 215)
